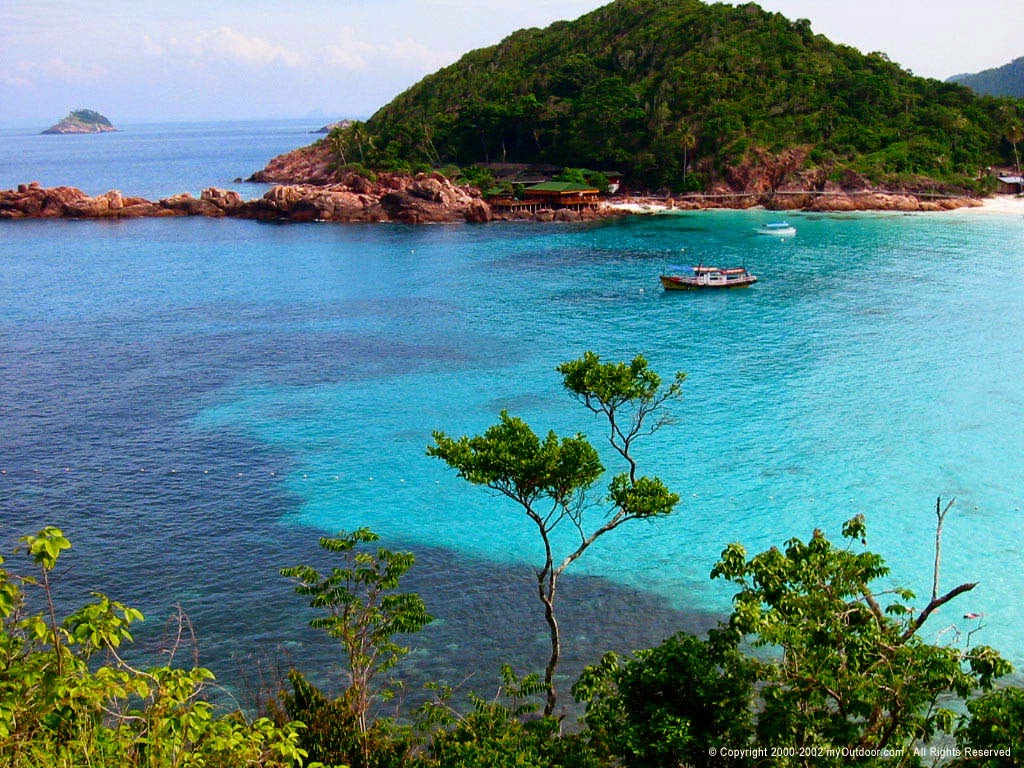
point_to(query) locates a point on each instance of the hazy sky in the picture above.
(145, 61)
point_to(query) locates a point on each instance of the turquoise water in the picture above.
(196, 400)
(852, 379)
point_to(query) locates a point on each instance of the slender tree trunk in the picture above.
(546, 583)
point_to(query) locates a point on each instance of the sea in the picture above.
(196, 401)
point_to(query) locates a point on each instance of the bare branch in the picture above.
(934, 605)
(941, 515)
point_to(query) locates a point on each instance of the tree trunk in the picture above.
(546, 590)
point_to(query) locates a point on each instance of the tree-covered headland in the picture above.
(682, 95)
(820, 662)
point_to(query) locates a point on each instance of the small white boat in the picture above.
(777, 229)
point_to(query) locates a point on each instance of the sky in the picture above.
(144, 61)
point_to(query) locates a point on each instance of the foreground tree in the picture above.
(552, 478)
(992, 735)
(68, 698)
(364, 612)
(850, 672)
(840, 680)
(680, 703)
(503, 731)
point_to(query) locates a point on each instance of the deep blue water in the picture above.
(150, 160)
(195, 401)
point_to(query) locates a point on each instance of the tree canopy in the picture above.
(664, 88)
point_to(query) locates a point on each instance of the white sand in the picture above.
(639, 207)
(999, 204)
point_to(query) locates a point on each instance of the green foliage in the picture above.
(550, 478)
(995, 725)
(582, 176)
(505, 732)
(670, 705)
(364, 612)
(88, 116)
(1007, 80)
(660, 89)
(851, 673)
(60, 708)
(333, 735)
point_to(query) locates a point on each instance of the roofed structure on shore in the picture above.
(1010, 185)
(551, 194)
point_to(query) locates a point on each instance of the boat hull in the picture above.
(776, 231)
(676, 283)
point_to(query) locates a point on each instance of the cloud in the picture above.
(346, 51)
(151, 48)
(59, 69)
(352, 53)
(14, 81)
(223, 43)
(229, 43)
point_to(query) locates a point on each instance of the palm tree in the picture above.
(1014, 135)
(687, 140)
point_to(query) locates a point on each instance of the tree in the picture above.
(504, 731)
(364, 613)
(994, 730)
(68, 698)
(551, 479)
(1015, 135)
(849, 673)
(687, 141)
(680, 703)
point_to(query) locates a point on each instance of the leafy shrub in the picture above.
(59, 707)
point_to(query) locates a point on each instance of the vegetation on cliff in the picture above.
(1007, 80)
(683, 95)
(82, 121)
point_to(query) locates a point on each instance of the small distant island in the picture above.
(341, 124)
(82, 121)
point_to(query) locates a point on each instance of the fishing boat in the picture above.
(699, 277)
(777, 229)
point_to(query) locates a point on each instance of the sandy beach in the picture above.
(1000, 204)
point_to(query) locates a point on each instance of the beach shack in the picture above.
(562, 194)
(1010, 185)
(549, 194)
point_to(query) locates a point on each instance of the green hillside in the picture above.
(1007, 80)
(677, 93)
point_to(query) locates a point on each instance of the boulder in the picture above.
(428, 189)
(225, 199)
(478, 212)
(183, 204)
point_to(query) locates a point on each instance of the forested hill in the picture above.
(1007, 80)
(647, 87)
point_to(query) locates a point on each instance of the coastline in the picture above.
(432, 198)
(866, 201)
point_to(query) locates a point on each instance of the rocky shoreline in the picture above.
(424, 198)
(421, 199)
